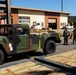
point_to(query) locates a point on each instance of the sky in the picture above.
(68, 5)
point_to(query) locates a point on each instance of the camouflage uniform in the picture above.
(65, 35)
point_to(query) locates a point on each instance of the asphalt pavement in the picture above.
(64, 48)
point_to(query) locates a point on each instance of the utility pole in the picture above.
(8, 10)
(62, 5)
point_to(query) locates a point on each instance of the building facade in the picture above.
(45, 18)
(31, 17)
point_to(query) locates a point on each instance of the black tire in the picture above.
(50, 47)
(1, 57)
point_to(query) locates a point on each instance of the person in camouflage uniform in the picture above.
(74, 37)
(66, 34)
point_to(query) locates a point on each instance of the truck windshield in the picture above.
(4, 30)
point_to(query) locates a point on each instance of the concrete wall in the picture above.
(35, 16)
(63, 20)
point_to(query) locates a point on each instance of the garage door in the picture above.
(51, 20)
(52, 23)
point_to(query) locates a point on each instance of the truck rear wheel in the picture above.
(50, 47)
(1, 57)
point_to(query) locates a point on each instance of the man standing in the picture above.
(66, 34)
(74, 37)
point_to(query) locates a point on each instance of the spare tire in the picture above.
(1, 57)
(49, 47)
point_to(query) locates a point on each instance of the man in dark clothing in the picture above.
(66, 34)
(74, 37)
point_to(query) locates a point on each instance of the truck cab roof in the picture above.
(5, 29)
(14, 25)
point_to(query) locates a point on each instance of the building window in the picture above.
(61, 24)
(24, 20)
(65, 24)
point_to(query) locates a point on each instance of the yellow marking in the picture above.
(59, 36)
(39, 41)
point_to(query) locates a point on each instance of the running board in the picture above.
(63, 67)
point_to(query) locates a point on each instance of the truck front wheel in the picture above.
(50, 47)
(1, 57)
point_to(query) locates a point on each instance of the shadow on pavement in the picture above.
(23, 56)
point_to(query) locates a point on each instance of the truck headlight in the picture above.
(10, 46)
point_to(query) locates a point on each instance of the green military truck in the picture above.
(17, 38)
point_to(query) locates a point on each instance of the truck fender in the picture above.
(3, 50)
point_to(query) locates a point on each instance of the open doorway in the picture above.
(52, 23)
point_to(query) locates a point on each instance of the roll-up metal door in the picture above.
(51, 20)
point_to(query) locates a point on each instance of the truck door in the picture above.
(22, 38)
